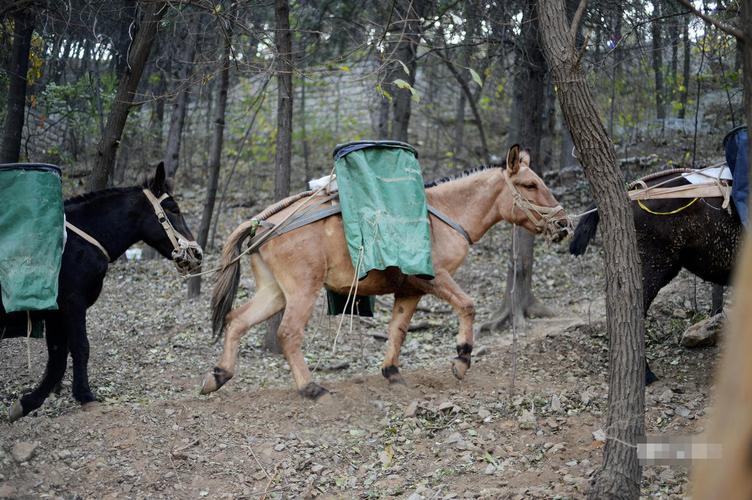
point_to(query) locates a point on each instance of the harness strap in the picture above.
(449, 222)
(86, 236)
(317, 215)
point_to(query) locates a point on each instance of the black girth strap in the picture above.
(449, 222)
(311, 217)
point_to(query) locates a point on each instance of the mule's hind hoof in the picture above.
(214, 380)
(392, 374)
(459, 367)
(16, 411)
(313, 391)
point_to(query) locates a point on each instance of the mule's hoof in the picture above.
(392, 374)
(313, 391)
(16, 411)
(650, 377)
(214, 380)
(459, 367)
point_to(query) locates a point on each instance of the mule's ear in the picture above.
(158, 183)
(513, 159)
(524, 159)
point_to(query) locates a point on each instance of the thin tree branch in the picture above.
(577, 18)
(726, 28)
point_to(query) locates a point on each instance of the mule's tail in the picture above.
(584, 231)
(229, 276)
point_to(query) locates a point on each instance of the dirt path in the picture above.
(152, 436)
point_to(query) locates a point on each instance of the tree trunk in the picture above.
(684, 89)
(215, 156)
(180, 104)
(283, 154)
(139, 53)
(10, 150)
(304, 132)
(673, 33)
(657, 43)
(527, 130)
(619, 476)
(459, 127)
(409, 14)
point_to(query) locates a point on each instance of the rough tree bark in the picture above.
(619, 476)
(215, 156)
(283, 154)
(180, 103)
(139, 53)
(526, 130)
(657, 44)
(16, 99)
(684, 89)
(409, 14)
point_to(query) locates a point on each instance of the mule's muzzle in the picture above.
(187, 257)
(560, 229)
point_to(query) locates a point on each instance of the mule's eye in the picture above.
(531, 186)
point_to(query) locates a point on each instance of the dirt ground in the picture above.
(152, 435)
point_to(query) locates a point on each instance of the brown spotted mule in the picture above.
(291, 269)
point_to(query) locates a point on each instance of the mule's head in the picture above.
(528, 202)
(165, 228)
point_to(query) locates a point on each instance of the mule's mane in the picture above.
(95, 195)
(464, 173)
(75, 200)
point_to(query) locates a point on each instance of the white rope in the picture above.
(353, 287)
(512, 310)
(28, 340)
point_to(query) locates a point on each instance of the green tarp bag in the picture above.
(31, 236)
(384, 209)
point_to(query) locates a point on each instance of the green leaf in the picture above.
(404, 66)
(476, 77)
(402, 84)
(345, 68)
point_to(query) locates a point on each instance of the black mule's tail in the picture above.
(584, 232)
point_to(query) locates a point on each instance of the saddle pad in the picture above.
(31, 236)
(707, 175)
(384, 209)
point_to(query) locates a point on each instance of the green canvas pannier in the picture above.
(31, 236)
(384, 209)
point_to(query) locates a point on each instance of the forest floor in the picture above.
(152, 435)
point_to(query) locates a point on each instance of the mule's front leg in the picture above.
(402, 312)
(57, 357)
(78, 343)
(444, 287)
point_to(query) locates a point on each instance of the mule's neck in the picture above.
(471, 200)
(112, 218)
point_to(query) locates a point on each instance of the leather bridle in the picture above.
(544, 218)
(186, 252)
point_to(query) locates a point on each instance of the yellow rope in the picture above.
(672, 212)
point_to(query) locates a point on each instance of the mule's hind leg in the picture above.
(261, 307)
(267, 301)
(300, 296)
(445, 288)
(657, 272)
(57, 358)
(402, 312)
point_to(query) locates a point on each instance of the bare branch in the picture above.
(726, 28)
(577, 18)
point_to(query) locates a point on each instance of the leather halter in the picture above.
(545, 214)
(176, 238)
(180, 243)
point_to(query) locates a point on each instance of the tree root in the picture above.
(535, 309)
